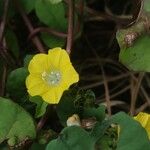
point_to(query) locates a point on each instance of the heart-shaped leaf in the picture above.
(15, 123)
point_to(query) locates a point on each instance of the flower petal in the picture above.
(69, 76)
(33, 80)
(38, 64)
(58, 57)
(144, 120)
(53, 96)
(38, 89)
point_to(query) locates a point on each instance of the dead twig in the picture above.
(134, 93)
(107, 96)
(70, 26)
(47, 30)
(36, 41)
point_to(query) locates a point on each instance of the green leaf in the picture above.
(3, 147)
(16, 124)
(98, 113)
(12, 42)
(66, 106)
(16, 83)
(147, 5)
(41, 105)
(28, 5)
(99, 129)
(37, 146)
(104, 143)
(27, 60)
(137, 57)
(52, 41)
(55, 1)
(52, 15)
(74, 101)
(72, 138)
(132, 135)
(11, 10)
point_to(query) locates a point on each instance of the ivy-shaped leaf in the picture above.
(28, 5)
(52, 15)
(16, 84)
(132, 135)
(137, 57)
(41, 105)
(15, 123)
(52, 41)
(72, 138)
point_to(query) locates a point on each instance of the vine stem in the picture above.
(36, 41)
(2, 86)
(3, 22)
(47, 30)
(134, 92)
(44, 118)
(107, 96)
(70, 26)
(3, 46)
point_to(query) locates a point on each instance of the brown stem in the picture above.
(3, 80)
(44, 118)
(41, 122)
(80, 12)
(36, 41)
(107, 96)
(4, 17)
(70, 26)
(47, 30)
(112, 79)
(142, 107)
(134, 93)
(5, 55)
(3, 52)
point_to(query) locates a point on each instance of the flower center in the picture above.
(52, 78)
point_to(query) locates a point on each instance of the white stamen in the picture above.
(52, 78)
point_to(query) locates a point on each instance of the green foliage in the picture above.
(72, 138)
(52, 41)
(41, 105)
(147, 5)
(27, 60)
(99, 130)
(11, 11)
(16, 124)
(46, 12)
(137, 56)
(16, 84)
(98, 113)
(37, 146)
(12, 42)
(28, 5)
(66, 107)
(132, 135)
(76, 138)
(74, 101)
(55, 1)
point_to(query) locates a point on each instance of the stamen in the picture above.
(52, 78)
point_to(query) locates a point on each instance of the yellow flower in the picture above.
(50, 75)
(144, 120)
